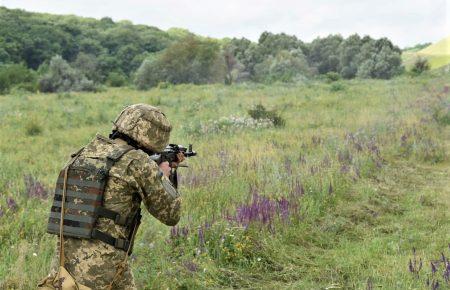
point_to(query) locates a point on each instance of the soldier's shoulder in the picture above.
(137, 154)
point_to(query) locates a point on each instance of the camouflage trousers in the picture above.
(94, 264)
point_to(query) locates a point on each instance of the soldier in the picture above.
(103, 186)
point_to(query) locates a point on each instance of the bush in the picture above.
(16, 75)
(190, 60)
(116, 79)
(33, 128)
(259, 112)
(336, 87)
(332, 77)
(420, 65)
(149, 74)
(61, 77)
(285, 66)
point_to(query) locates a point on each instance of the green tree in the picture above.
(324, 53)
(348, 52)
(285, 66)
(61, 77)
(16, 74)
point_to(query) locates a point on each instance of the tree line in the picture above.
(61, 53)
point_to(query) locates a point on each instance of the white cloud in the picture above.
(406, 22)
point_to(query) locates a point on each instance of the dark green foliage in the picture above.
(96, 48)
(260, 112)
(16, 75)
(116, 79)
(33, 128)
(420, 65)
(190, 60)
(324, 53)
(285, 66)
(332, 77)
(379, 59)
(336, 87)
(271, 44)
(149, 74)
(61, 77)
(348, 52)
(35, 38)
(417, 47)
(89, 66)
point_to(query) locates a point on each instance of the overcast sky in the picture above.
(406, 22)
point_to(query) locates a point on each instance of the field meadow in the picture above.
(352, 192)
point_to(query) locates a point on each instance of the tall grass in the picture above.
(337, 197)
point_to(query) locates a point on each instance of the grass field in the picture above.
(337, 198)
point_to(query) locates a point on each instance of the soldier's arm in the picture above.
(158, 195)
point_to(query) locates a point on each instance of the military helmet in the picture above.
(146, 125)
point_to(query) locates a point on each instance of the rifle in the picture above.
(169, 154)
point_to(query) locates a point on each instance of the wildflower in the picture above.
(12, 205)
(201, 236)
(191, 266)
(34, 188)
(433, 268)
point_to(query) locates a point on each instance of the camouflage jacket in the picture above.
(132, 179)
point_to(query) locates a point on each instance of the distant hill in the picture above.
(438, 54)
(441, 47)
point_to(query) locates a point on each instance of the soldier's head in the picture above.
(144, 124)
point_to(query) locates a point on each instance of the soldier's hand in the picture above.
(165, 168)
(180, 158)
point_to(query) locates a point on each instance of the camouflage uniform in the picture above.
(132, 179)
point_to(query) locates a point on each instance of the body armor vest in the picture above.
(85, 186)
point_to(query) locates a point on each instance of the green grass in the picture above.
(371, 159)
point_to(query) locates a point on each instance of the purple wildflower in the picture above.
(283, 205)
(201, 236)
(447, 272)
(12, 205)
(34, 188)
(174, 232)
(345, 169)
(435, 285)
(446, 89)
(184, 231)
(433, 268)
(190, 266)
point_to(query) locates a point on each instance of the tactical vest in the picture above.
(85, 186)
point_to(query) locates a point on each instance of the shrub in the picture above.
(16, 75)
(149, 74)
(332, 76)
(421, 64)
(259, 112)
(190, 60)
(336, 87)
(61, 77)
(33, 128)
(116, 79)
(285, 66)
